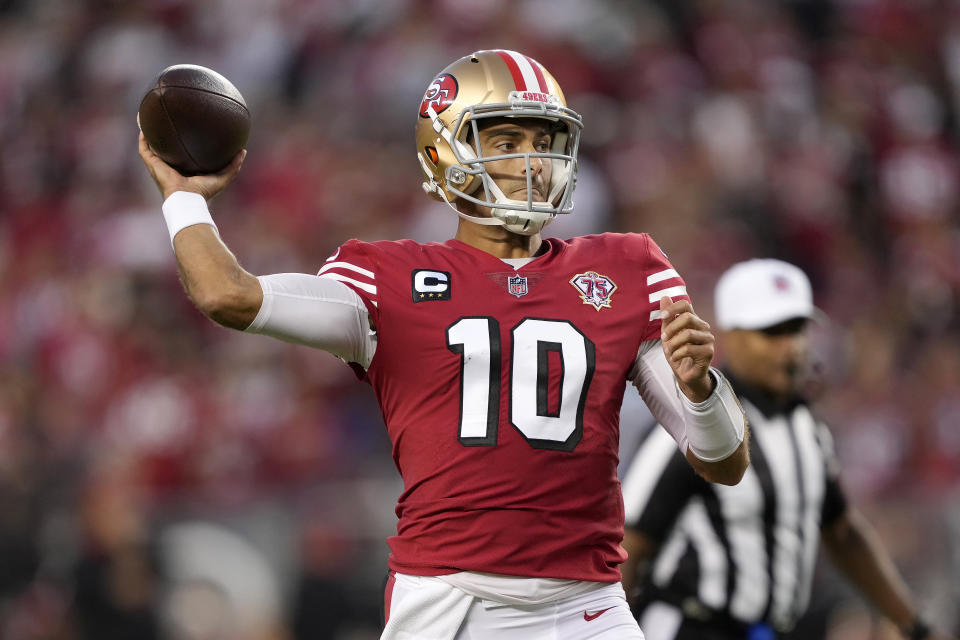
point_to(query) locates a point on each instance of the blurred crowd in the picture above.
(164, 478)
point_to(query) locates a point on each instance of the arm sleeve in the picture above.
(658, 482)
(653, 378)
(712, 429)
(317, 312)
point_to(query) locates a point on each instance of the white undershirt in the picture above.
(516, 263)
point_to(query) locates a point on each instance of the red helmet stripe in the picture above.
(538, 71)
(518, 81)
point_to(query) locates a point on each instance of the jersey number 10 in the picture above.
(477, 340)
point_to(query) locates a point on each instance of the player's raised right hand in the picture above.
(688, 345)
(170, 180)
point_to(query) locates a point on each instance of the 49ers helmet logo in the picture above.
(441, 93)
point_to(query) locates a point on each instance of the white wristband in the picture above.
(184, 209)
(715, 426)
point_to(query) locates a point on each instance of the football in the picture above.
(194, 119)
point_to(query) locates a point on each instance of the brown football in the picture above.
(194, 119)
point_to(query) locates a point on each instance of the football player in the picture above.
(511, 519)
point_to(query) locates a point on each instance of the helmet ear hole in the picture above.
(432, 154)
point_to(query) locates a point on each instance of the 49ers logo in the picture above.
(533, 96)
(441, 93)
(530, 96)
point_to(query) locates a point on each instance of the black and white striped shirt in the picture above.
(746, 552)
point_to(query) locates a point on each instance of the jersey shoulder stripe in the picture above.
(354, 283)
(662, 279)
(353, 265)
(346, 265)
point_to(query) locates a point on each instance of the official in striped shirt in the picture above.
(708, 561)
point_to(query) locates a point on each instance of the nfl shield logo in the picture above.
(517, 285)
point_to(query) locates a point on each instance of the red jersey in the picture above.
(501, 390)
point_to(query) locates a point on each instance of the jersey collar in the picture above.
(547, 251)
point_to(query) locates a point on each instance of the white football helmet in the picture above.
(495, 84)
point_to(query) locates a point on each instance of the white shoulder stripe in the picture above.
(666, 274)
(655, 315)
(369, 288)
(671, 291)
(347, 265)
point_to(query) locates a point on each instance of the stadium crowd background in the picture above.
(164, 478)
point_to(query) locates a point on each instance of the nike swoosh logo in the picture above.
(593, 616)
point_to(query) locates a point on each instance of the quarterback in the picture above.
(511, 518)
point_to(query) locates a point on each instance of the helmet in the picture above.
(495, 84)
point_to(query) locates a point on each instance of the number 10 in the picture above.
(477, 340)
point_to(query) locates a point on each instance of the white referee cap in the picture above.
(761, 293)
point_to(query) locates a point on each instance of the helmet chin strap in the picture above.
(502, 217)
(524, 222)
(475, 219)
(507, 218)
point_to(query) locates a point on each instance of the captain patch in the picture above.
(430, 285)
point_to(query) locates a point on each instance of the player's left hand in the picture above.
(688, 345)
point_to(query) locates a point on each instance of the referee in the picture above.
(712, 562)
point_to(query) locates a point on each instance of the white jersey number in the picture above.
(477, 340)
